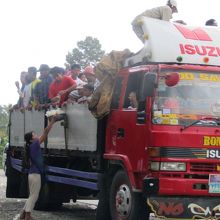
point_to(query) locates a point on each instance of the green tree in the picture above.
(87, 52)
(4, 118)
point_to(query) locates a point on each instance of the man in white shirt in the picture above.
(162, 13)
(75, 70)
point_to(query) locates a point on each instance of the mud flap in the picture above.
(17, 182)
(185, 207)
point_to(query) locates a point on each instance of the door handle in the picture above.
(120, 132)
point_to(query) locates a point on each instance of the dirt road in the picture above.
(10, 208)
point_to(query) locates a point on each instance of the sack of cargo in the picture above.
(106, 71)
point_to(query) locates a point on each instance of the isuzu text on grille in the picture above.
(213, 154)
(200, 50)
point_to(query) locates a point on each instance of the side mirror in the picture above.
(171, 79)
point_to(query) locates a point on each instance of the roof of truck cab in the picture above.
(168, 42)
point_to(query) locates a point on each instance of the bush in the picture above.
(1, 153)
(2, 146)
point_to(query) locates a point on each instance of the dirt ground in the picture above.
(10, 208)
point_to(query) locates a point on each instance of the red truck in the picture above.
(161, 156)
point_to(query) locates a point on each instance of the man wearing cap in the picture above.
(42, 89)
(161, 13)
(61, 86)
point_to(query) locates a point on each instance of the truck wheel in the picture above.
(124, 203)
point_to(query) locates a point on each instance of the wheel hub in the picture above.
(123, 201)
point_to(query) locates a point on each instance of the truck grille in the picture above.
(204, 167)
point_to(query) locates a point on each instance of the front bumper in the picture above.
(177, 186)
(172, 198)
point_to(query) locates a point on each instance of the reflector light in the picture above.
(154, 152)
(205, 59)
(179, 59)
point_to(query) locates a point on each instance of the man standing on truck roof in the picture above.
(162, 13)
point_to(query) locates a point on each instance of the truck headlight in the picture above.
(168, 166)
(155, 166)
(173, 166)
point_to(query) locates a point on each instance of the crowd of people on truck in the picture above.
(55, 86)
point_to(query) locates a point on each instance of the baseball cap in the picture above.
(173, 3)
(43, 67)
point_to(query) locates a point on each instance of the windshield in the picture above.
(196, 95)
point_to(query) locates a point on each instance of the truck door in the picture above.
(127, 136)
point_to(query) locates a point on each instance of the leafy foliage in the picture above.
(4, 118)
(87, 52)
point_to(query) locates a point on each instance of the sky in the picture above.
(34, 32)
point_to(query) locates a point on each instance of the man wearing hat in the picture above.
(162, 13)
(41, 90)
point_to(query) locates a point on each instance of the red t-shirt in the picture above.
(64, 84)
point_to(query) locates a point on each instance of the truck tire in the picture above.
(124, 203)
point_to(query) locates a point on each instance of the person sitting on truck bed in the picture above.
(75, 71)
(83, 94)
(42, 88)
(87, 91)
(90, 75)
(20, 90)
(28, 89)
(33, 73)
(161, 13)
(61, 87)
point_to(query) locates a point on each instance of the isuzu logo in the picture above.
(196, 34)
(200, 50)
(213, 154)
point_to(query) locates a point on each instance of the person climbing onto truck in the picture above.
(34, 157)
(162, 13)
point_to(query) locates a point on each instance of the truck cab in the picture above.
(165, 151)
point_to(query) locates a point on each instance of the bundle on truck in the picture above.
(161, 156)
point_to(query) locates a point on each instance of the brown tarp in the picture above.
(106, 71)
